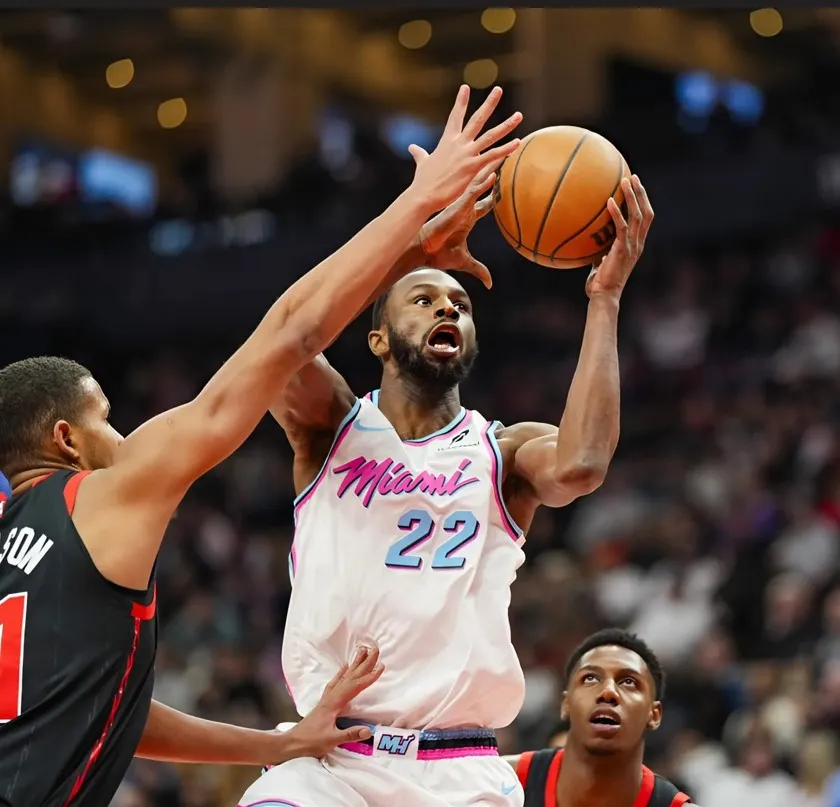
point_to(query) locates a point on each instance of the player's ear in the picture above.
(378, 343)
(564, 706)
(655, 716)
(65, 440)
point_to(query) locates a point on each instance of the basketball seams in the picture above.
(513, 194)
(560, 179)
(599, 213)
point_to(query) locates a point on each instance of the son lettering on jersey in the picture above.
(22, 551)
(385, 478)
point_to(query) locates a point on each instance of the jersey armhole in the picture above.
(680, 799)
(71, 490)
(496, 460)
(340, 434)
(523, 766)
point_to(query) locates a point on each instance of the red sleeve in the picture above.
(523, 766)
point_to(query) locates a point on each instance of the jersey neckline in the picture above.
(642, 798)
(373, 397)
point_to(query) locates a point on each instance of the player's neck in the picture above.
(413, 411)
(24, 480)
(591, 781)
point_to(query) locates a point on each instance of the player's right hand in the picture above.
(463, 152)
(317, 734)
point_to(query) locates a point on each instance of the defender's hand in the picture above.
(444, 238)
(317, 735)
(611, 274)
(462, 153)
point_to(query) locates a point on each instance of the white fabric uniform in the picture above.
(405, 543)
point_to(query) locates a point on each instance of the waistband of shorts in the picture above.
(422, 745)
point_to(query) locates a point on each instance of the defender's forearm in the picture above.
(172, 736)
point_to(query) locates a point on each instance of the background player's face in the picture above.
(611, 684)
(91, 442)
(428, 331)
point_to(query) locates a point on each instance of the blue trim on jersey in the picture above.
(374, 397)
(347, 418)
(494, 444)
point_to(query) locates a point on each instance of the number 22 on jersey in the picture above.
(12, 622)
(462, 526)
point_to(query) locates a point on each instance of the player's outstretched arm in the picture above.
(122, 511)
(560, 464)
(317, 398)
(172, 736)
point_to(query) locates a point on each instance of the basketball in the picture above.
(551, 196)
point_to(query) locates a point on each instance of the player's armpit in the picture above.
(317, 398)
(512, 760)
(556, 477)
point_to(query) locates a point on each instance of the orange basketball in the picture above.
(551, 196)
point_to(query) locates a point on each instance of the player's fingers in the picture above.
(479, 270)
(455, 122)
(617, 217)
(480, 117)
(336, 679)
(634, 211)
(485, 205)
(644, 202)
(498, 153)
(354, 735)
(495, 134)
(360, 684)
(481, 185)
(419, 154)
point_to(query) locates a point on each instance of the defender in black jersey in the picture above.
(613, 699)
(80, 534)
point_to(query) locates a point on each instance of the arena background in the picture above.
(153, 209)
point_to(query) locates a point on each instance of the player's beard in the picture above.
(435, 376)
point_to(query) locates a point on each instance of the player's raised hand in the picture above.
(630, 235)
(463, 151)
(444, 237)
(317, 734)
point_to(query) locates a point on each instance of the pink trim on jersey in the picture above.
(430, 754)
(497, 486)
(272, 802)
(333, 451)
(359, 748)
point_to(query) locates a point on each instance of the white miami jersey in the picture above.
(407, 543)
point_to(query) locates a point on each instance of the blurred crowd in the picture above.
(716, 536)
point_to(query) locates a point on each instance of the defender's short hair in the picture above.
(620, 638)
(378, 317)
(34, 394)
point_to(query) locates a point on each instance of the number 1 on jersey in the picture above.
(420, 526)
(12, 624)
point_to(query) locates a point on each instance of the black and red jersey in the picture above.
(539, 771)
(76, 657)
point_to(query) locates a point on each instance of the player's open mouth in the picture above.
(445, 340)
(606, 722)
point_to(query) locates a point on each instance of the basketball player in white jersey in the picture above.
(410, 519)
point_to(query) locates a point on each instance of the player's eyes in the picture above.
(589, 677)
(630, 681)
(462, 306)
(424, 300)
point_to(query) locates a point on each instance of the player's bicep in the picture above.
(316, 398)
(556, 480)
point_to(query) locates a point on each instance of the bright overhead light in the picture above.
(119, 74)
(481, 73)
(415, 34)
(498, 20)
(172, 113)
(766, 21)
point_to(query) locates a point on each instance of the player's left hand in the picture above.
(610, 275)
(317, 734)
(444, 237)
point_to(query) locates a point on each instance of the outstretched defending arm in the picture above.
(172, 736)
(557, 465)
(157, 463)
(317, 398)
